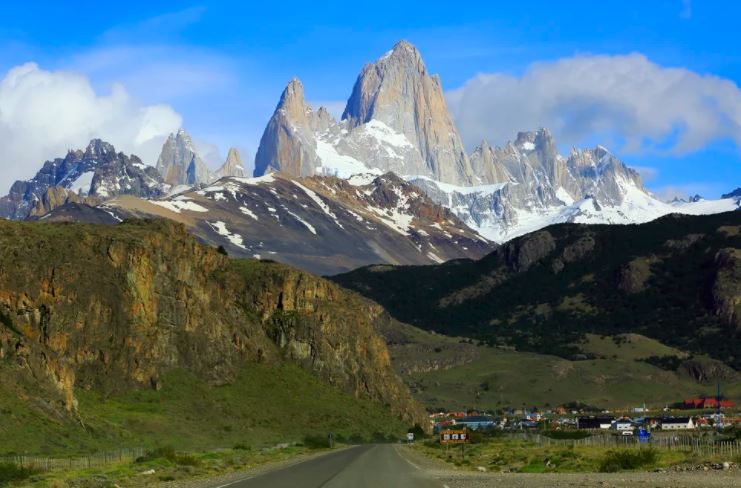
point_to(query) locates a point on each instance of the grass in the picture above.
(628, 459)
(165, 464)
(495, 378)
(509, 454)
(263, 406)
(10, 472)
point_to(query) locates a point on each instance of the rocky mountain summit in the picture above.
(231, 167)
(179, 162)
(395, 120)
(89, 176)
(322, 224)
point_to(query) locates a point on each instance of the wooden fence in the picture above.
(80, 462)
(706, 446)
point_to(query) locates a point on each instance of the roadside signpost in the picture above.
(448, 437)
(410, 437)
(454, 437)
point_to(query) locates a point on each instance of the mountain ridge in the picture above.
(675, 279)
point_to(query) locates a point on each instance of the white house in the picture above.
(677, 423)
(622, 424)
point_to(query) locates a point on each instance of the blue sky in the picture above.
(220, 67)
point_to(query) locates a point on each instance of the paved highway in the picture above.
(376, 466)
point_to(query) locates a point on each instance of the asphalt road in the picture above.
(376, 466)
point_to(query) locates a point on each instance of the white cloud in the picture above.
(648, 173)
(45, 113)
(625, 99)
(682, 192)
(157, 72)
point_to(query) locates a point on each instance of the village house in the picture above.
(622, 424)
(676, 423)
(594, 422)
(476, 422)
(707, 402)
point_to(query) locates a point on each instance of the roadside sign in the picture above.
(410, 437)
(454, 437)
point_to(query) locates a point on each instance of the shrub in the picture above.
(418, 431)
(357, 439)
(13, 472)
(168, 453)
(567, 434)
(627, 459)
(316, 441)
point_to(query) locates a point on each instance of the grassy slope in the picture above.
(499, 378)
(263, 406)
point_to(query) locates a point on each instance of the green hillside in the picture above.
(454, 373)
(261, 407)
(676, 280)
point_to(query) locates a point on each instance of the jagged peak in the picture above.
(294, 92)
(403, 53)
(233, 155)
(483, 147)
(98, 147)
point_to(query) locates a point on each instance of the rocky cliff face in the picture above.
(289, 141)
(88, 176)
(179, 162)
(113, 308)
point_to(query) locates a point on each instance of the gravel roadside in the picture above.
(458, 478)
(225, 479)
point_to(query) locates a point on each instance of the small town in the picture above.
(701, 413)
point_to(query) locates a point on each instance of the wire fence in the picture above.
(705, 446)
(97, 460)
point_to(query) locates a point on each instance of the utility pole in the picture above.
(718, 420)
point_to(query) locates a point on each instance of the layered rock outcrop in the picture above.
(113, 308)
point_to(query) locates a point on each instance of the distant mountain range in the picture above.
(395, 160)
(396, 120)
(322, 224)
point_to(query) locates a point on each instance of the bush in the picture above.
(627, 459)
(418, 431)
(316, 441)
(168, 454)
(13, 472)
(357, 439)
(567, 434)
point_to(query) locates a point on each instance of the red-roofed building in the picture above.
(707, 402)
